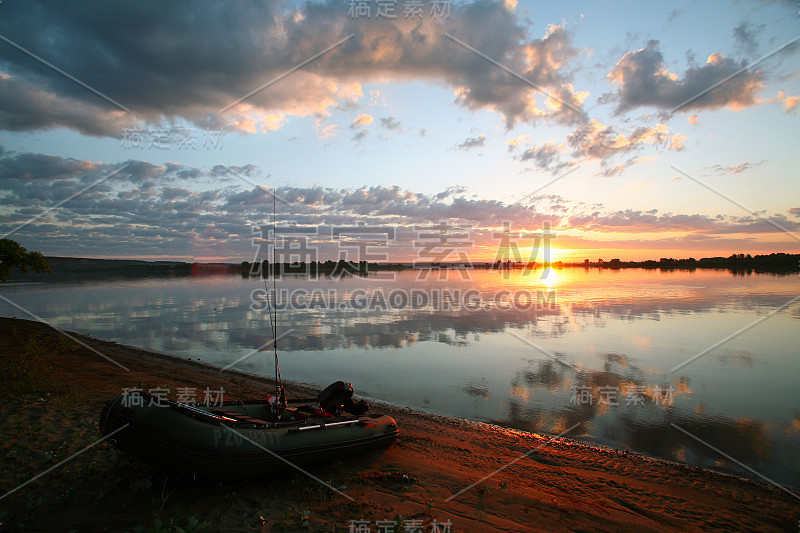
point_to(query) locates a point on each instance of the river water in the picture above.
(650, 361)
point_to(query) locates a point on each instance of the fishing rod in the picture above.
(280, 395)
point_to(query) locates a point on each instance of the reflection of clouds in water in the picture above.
(478, 391)
(604, 334)
(747, 441)
(641, 342)
(795, 425)
(197, 311)
(739, 357)
(645, 427)
(614, 358)
(407, 327)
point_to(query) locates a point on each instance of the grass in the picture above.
(26, 370)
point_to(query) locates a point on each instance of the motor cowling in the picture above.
(338, 397)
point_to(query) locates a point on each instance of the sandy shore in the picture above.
(53, 391)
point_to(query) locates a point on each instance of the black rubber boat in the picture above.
(244, 439)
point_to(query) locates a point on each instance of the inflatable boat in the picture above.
(242, 439)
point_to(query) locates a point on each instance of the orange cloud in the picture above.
(363, 119)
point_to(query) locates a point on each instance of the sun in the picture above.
(540, 255)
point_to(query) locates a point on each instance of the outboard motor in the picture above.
(338, 396)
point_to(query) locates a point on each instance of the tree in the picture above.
(12, 255)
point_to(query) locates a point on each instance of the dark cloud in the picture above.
(644, 81)
(747, 36)
(26, 105)
(472, 142)
(151, 207)
(29, 166)
(614, 147)
(610, 144)
(153, 210)
(390, 123)
(187, 60)
(635, 221)
(547, 157)
(450, 191)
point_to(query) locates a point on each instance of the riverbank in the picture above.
(53, 390)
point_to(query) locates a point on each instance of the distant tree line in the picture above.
(776, 262)
(15, 257)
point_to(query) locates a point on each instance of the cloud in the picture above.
(189, 61)
(450, 191)
(516, 141)
(25, 106)
(615, 148)
(363, 119)
(27, 166)
(789, 103)
(390, 123)
(173, 209)
(644, 81)
(599, 141)
(164, 200)
(637, 221)
(736, 169)
(326, 132)
(547, 157)
(472, 142)
(746, 36)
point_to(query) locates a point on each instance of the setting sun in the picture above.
(487, 227)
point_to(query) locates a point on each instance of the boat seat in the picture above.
(226, 412)
(251, 420)
(308, 411)
(239, 417)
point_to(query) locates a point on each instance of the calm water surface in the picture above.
(541, 351)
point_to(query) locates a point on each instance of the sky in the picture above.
(433, 130)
